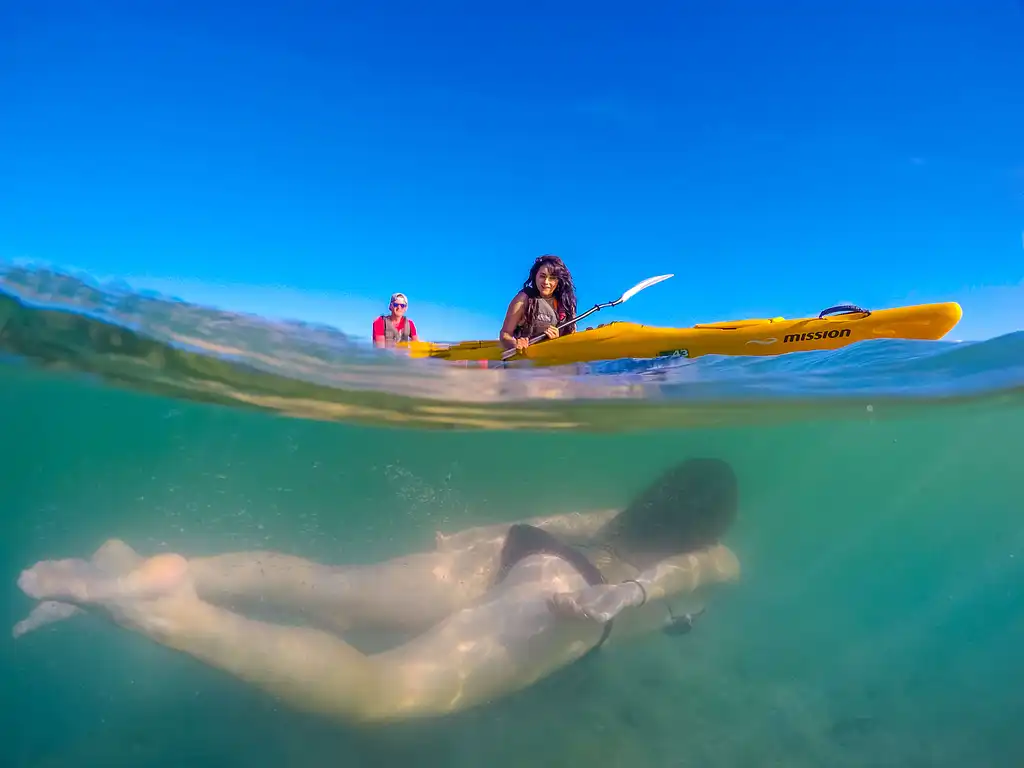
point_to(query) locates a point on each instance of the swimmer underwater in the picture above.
(490, 611)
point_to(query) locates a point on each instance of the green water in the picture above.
(879, 620)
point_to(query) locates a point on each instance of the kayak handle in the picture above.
(844, 308)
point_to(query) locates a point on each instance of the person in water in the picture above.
(488, 612)
(392, 328)
(547, 300)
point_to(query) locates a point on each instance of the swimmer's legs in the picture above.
(407, 593)
(460, 663)
(157, 599)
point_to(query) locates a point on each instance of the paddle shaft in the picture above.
(510, 352)
(567, 323)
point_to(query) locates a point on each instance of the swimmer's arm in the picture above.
(687, 573)
(681, 574)
(571, 528)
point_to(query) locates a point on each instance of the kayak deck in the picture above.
(756, 337)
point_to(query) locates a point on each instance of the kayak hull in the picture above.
(757, 337)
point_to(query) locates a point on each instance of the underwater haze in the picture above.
(878, 620)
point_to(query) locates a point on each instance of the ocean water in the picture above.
(878, 621)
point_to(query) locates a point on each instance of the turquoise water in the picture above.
(878, 621)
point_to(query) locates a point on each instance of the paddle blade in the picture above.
(640, 286)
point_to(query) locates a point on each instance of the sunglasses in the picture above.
(399, 305)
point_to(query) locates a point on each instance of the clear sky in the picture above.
(308, 159)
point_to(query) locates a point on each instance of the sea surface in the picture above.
(879, 620)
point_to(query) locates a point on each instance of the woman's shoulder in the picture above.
(516, 307)
(519, 299)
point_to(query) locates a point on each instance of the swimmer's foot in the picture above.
(143, 598)
(84, 583)
(47, 612)
(114, 557)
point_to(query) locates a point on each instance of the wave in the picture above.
(149, 342)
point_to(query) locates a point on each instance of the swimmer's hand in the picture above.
(600, 603)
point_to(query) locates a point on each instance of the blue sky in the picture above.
(307, 160)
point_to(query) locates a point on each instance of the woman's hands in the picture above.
(600, 602)
(551, 332)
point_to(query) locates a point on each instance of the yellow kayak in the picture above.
(834, 328)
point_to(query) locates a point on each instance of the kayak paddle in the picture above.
(624, 297)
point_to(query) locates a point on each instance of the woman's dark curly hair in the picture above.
(689, 507)
(565, 292)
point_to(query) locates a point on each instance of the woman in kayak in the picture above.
(547, 300)
(490, 611)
